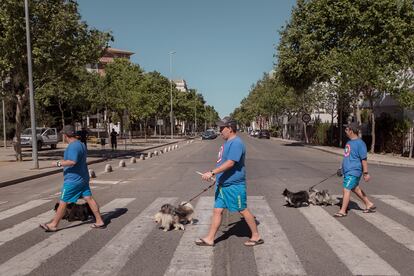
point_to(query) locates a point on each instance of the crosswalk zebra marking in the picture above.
(27, 261)
(22, 208)
(357, 256)
(24, 227)
(104, 182)
(201, 257)
(397, 203)
(276, 256)
(115, 254)
(396, 231)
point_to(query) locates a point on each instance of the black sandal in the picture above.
(339, 215)
(254, 243)
(201, 242)
(46, 228)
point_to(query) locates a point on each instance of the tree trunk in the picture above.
(305, 132)
(340, 126)
(145, 128)
(62, 113)
(410, 154)
(373, 126)
(19, 106)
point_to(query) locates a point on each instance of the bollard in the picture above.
(92, 173)
(176, 146)
(108, 168)
(165, 150)
(149, 154)
(155, 153)
(133, 160)
(169, 148)
(122, 164)
(142, 157)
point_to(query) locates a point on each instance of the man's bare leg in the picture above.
(60, 212)
(95, 210)
(345, 201)
(215, 224)
(251, 222)
(361, 194)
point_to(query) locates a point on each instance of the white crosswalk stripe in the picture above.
(396, 231)
(33, 257)
(114, 255)
(22, 208)
(24, 227)
(276, 256)
(358, 257)
(397, 203)
(201, 257)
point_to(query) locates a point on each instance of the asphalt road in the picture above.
(303, 241)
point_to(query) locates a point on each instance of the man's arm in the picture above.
(64, 163)
(365, 170)
(222, 168)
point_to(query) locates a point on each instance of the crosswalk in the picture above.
(277, 256)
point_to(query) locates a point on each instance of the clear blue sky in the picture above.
(222, 46)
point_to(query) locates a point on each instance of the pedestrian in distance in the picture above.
(230, 188)
(83, 136)
(76, 180)
(354, 166)
(114, 135)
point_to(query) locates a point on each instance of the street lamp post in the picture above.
(195, 113)
(171, 97)
(32, 108)
(4, 123)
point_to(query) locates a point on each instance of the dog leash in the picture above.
(197, 195)
(322, 181)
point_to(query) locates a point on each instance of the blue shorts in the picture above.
(350, 182)
(232, 198)
(72, 192)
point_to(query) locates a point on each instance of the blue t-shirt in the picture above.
(355, 151)
(235, 150)
(78, 174)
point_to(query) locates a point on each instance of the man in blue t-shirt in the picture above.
(354, 165)
(76, 180)
(230, 193)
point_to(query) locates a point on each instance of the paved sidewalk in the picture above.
(380, 159)
(12, 172)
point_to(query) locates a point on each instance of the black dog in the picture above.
(75, 211)
(296, 199)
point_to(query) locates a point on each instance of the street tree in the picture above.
(60, 42)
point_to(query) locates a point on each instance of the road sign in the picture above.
(306, 118)
(160, 122)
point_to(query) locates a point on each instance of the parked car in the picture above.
(208, 135)
(256, 133)
(264, 134)
(45, 137)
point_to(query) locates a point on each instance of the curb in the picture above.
(56, 171)
(370, 161)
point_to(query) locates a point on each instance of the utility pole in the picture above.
(195, 113)
(171, 97)
(30, 77)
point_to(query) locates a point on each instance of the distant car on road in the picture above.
(264, 133)
(209, 134)
(45, 137)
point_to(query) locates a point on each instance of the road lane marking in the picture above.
(201, 256)
(22, 208)
(27, 261)
(276, 256)
(24, 227)
(115, 254)
(397, 203)
(2, 202)
(394, 230)
(108, 182)
(357, 256)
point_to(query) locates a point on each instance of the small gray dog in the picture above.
(317, 197)
(171, 216)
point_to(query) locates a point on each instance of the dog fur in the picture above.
(317, 197)
(171, 216)
(76, 211)
(296, 199)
